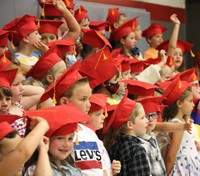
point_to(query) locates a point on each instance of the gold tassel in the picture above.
(106, 112)
(104, 57)
(79, 10)
(77, 142)
(54, 93)
(43, 13)
(38, 23)
(67, 3)
(75, 53)
(192, 54)
(179, 84)
(4, 58)
(113, 12)
(110, 30)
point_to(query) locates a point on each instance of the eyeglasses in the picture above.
(152, 115)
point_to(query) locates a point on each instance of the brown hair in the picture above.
(5, 91)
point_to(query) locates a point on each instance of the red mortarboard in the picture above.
(184, 46)
(62, 119)
(20, 27)
(5, 124)
(49, 26)
(122, 113)
(113, 15)
(140, 88)
(98, 102)
(151, 104)
(152, 30)
(122, 63)
(46, 62)
(124, 29)
(7, 77)
(4, 61)
(48, 9)
(98, 25)
(174, 90)
(98, 68)
(69, 3)
(80, 13)
(94, 39)
(187, 75)
(61, 85)
(64, 45)
(137, 65)
(3, 38)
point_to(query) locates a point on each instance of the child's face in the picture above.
(140, 123)
(34, 37)
(116, 79)
(8, 145)
(178, 58)
(138, 33)
(5, 104)
(195, 89)
(152, 117)
(16, 88)
(97, 119)
(122, 19)
(126, 75)
(130, 41)
(48, 37)
(85, 23)
(187, 105)
(61, 147)
(155, 40)
(81, 97)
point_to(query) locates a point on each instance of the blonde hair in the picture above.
(113, 134)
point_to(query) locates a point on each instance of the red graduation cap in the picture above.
(137, 65)
(113, 15)
(21, 27)
(124, 29)
(152, 30)
(64, 46)
(184, 46)
(48, 9)
(122, 113)
(62, 119)
(151, 104)
(95, 39)
(4, 38)
(5, 124)
(69, 3)
(140, 88)
(174, 90)
(49, 26)
(4, 61)
(61, 85)
(46, 62)
(98, 68)
(98, 102)
(188, 75)
(98, 25)
(7, 77)
(80, 13)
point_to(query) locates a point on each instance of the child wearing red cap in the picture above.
(126, 124)
(49, 67)
(71, 87)
(13, 148)
(115, 18)
(182, 156)
(61, 135)
(25, 36)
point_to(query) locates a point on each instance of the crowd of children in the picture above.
(75, 103)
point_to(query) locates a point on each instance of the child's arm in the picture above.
(173, 127)
(116, 167)
(43, 167)
(74, 28)
(174, 145)
(31, 96)
(14, 160)
(174, 36)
